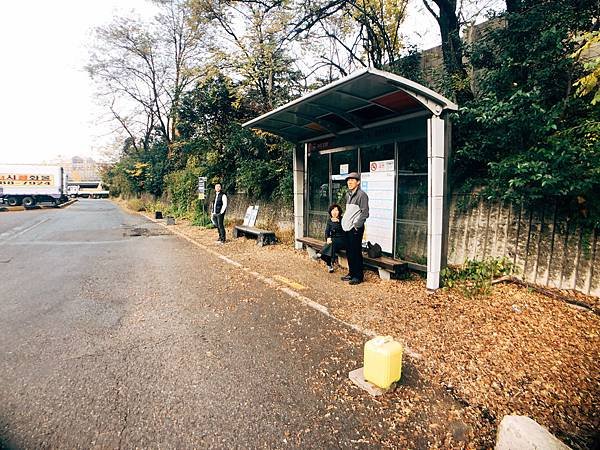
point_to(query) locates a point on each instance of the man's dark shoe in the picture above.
(355, 281)
(346, 278)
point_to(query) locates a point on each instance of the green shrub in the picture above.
(475, 277)
(136, 204)
(181, 187)
(285, 189)
(155, 205)
(200, 216)
(259, 178)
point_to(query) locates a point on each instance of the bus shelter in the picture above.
(396, 134)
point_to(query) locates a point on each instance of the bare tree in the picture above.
(142, 69)
(451, 16)
(359, 33)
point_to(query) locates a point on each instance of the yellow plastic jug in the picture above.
(383, 361)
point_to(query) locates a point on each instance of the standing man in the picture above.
(353, 223)
(218, 212)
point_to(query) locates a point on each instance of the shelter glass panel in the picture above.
(318, 194)
(411, 212)
(317, 221)
(342, 163)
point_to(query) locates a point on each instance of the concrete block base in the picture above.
(358, 378)
(385, 275)
(312, 253)
(523, 433)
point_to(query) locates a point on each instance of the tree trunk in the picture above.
(452, 48)
(513, 6)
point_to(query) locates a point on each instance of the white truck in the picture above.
(29, 184)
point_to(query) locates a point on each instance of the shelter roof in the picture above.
(364, 99)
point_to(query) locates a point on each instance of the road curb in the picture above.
(69, 203)
(280, 287)
(11, 208)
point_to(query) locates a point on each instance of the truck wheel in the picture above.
(28, 202)
(12, 201)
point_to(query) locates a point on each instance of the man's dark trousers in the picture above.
(221, 226)
(354, 239)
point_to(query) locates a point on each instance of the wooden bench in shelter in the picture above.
(263, 237)
(385, 265)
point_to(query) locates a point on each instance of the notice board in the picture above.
(378, 183)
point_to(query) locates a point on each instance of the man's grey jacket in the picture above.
(357, 209)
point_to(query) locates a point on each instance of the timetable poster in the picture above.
(379, 186)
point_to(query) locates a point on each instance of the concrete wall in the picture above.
(548, 249)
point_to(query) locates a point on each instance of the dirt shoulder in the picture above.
(512, 352)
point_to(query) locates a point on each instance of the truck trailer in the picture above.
(30, 184)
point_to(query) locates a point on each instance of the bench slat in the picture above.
(312, 242)
(253, 230)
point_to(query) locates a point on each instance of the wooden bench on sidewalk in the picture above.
(263, 237)
(385, 265)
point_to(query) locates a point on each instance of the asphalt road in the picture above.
(110, 340)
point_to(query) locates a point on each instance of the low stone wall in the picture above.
(276, 216)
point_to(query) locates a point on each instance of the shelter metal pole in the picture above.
(436, 180)
(298, 167)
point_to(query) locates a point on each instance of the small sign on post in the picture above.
(202, 188)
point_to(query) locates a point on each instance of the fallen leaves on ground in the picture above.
(512, 352)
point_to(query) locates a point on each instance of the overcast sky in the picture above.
(47, 103)
(47, 107)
